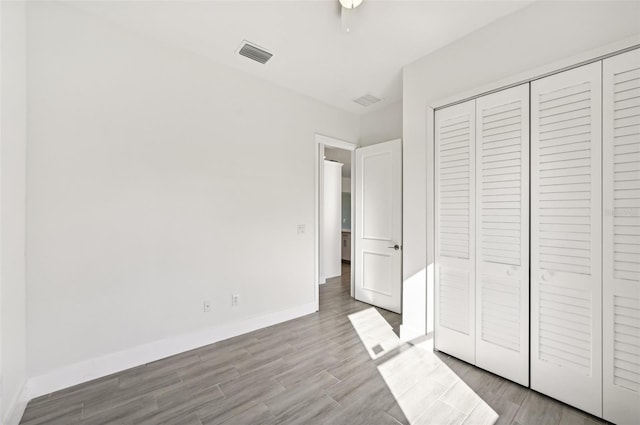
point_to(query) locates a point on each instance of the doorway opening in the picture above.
(334, 214)
(337, 230)
(375, 272)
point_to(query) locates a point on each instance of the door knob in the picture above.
(396, 247)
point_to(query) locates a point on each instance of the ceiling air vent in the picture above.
(254, 52)
(367, 100)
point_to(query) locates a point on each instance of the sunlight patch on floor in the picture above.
(427, 391)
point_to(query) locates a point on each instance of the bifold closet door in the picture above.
(454, 228)
(502, 233)
(621, 238)
(566, 237)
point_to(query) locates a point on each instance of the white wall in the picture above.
(542, 33)
(12, 212)
(382, 125)
(156, 180)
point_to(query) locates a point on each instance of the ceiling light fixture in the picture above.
(350, 4)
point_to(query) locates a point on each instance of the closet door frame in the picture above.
(502, 277)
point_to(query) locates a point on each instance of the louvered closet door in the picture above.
(621, 238)
(566, 237)
(455, 234)
(502, 233)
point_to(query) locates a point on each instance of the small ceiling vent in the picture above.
(367, 100)
(253, 52)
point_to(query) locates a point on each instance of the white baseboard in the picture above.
(16, 407)
(115, 362)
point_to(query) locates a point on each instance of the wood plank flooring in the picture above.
(311, 370)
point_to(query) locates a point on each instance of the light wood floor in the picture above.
(311, 370)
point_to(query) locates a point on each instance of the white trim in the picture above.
(17, 407)
(320, 142)
(580, 59)
(352, 234)
(335, 143)
(115, 362)
(318, 275)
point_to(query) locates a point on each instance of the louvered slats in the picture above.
(626, 343)
(626, 175)
(500, 318)
(455, 187)
(500, 169)
(454, 286)
(565, 327)
(621, 238)
(565, 173)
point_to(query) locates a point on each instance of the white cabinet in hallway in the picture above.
(346, 245)
(332, 219)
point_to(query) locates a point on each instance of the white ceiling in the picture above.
(312, 55)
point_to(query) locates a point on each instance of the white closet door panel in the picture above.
(566, 237)
(455, 234)
(621, 238)
(502, 233)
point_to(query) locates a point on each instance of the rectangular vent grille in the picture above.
(367, 100)
(501, 185)
(254, 52)
(565, 179)
(626, 175)
(454, 181)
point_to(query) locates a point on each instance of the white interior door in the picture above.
(378, 241)
(455, 230)
(566, 237)
(621, 238)
(502, 233)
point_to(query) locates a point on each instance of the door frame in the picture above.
(320, 142)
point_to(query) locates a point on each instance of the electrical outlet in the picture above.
(207, 306)
(235, 300)
(301, 229)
